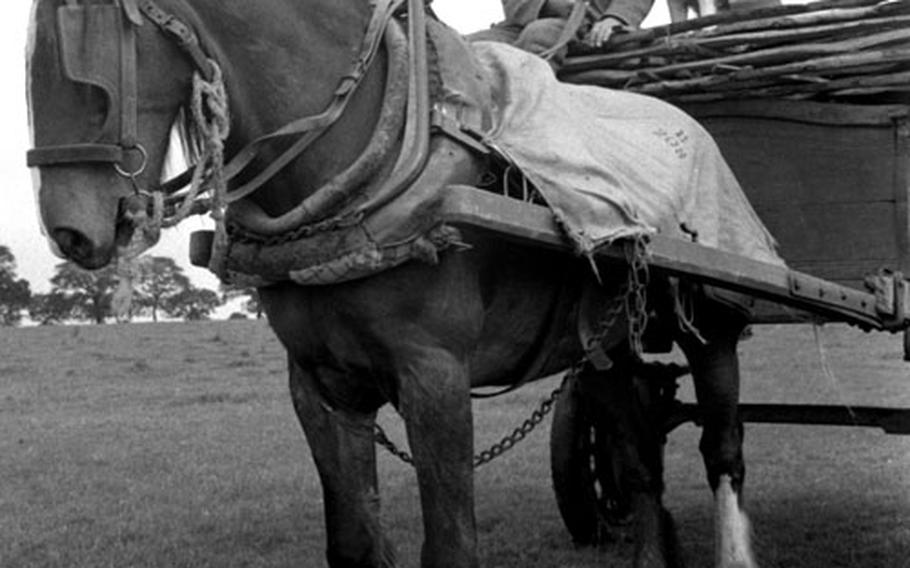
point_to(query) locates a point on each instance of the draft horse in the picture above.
(108, 79)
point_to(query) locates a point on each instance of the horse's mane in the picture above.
(184, 131)
(184, 147)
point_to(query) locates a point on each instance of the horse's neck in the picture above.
(283, 59)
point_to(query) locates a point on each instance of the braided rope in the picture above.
(209, 110)
(211, 117)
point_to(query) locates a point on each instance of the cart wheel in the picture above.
(590, 501)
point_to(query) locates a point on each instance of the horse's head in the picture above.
(95, 141)
(318, 91)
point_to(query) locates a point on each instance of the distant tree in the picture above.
(192, 304)
(88, 293)
(160, 281)
(50, 309)
(251, 304)
(15, 293)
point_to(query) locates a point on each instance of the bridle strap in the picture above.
(129, 88)
(74, 154)
(183, 34)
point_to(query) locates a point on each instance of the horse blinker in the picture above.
(98, 48)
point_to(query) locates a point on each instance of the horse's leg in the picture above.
(435, 402)
(627, 396)
(341, 442)
(715, 371)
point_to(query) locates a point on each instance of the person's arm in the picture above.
(629, 12)
(616, 15)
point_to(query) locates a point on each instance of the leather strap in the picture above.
(74, 154)
(129, 95)
(184, 35)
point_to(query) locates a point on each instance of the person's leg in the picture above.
(501, 32)
(541, 35)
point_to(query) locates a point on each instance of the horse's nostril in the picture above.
(74, 245)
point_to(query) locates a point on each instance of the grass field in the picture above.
(175, 445)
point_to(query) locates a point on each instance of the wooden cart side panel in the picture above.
(829, 181)
(841, 242)
(780, 162)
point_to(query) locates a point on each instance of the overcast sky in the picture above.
(18, 219)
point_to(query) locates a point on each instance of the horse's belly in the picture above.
(530, 319)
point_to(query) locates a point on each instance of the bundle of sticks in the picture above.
(834, 50)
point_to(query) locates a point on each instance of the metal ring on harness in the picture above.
(143, 155)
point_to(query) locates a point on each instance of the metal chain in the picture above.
(494, 451)
(637, 294)
(607, 323)
(520, 433)
(381, 439)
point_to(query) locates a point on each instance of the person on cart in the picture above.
(540, 26)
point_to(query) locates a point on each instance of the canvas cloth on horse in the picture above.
(612, 164)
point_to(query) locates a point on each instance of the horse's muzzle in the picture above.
(95, 252)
